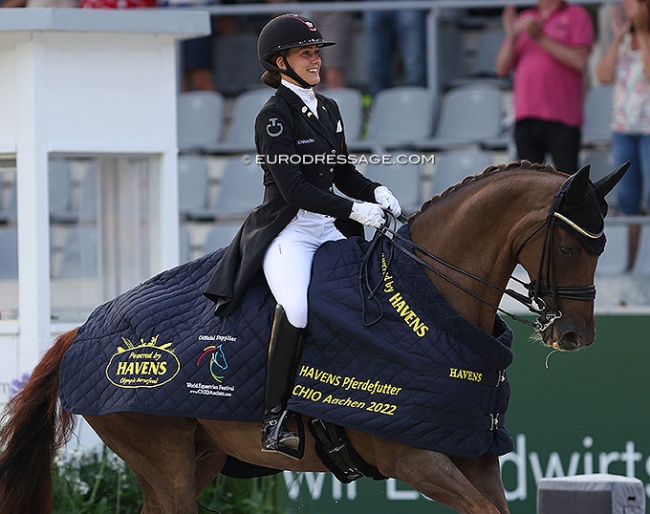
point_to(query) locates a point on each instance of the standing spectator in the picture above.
(339, 25)
(548, 48)
(196, 60)
(626, 64)
(387, 30)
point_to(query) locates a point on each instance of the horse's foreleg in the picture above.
(485, 474)
(433, 474)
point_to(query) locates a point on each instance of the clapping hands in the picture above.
(514, 24)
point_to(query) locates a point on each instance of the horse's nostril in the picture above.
(571, 341)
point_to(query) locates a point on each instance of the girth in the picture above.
(335, 450)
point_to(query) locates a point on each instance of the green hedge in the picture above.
(99, 483)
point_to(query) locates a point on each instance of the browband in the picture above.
(577, 228)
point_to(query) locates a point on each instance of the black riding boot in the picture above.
(281, 365)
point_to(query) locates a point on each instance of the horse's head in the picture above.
(560, 256)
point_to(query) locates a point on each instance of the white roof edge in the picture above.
(181, 23)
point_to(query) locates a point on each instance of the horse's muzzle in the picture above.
(567, 338)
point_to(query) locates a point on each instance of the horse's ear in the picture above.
(606, 184)
(577, 189)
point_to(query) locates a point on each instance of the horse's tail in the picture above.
(33, 427)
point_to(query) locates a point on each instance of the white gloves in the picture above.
(367, 214)
(372, 214)
(387, 200)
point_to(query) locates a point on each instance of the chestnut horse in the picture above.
(469, 239)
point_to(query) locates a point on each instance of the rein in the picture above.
(534, 301)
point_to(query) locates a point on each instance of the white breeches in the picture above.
(288, 259)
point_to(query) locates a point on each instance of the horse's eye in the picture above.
(566, 251)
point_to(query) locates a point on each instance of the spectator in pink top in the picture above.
(547, 47)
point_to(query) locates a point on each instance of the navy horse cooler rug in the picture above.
(383, 353)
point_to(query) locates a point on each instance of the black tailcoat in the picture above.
(285, 127)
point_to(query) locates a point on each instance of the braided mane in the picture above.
(487, 172)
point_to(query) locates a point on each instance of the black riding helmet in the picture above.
(283, 33)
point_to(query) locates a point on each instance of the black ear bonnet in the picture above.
(580, 206)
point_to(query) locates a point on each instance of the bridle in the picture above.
(534, 301)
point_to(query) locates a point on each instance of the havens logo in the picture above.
(402, 308)
(465, 374)
(146, 365)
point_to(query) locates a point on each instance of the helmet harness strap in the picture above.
(290, 72)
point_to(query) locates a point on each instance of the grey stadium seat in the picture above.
(598, 115)
(240, 189)
(469, 115)
(350, 104)
(240, 135)
(193, 187)
(398, 117)
(453, 166)
(200, 120)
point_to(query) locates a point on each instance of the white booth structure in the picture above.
(94, 90)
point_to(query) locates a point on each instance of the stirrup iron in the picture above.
(274, 428)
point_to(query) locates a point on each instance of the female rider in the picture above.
(301, 146)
